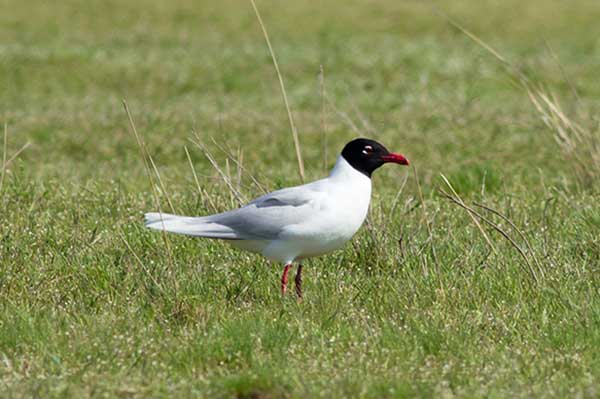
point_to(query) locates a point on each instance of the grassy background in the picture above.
(92, 304)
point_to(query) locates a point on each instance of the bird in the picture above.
(295, 223)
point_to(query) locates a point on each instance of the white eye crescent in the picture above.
(368, 149)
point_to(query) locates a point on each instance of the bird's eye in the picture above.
(367, 150)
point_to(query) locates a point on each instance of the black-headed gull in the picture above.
(292, 224)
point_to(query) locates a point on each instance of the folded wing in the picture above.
(262, 219)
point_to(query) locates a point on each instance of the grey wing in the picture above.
(266, 217)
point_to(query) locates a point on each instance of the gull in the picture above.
(295, 223)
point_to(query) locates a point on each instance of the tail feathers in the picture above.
(193, 226)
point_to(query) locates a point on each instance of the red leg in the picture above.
(284, 278)
(298, 281)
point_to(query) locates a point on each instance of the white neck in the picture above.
(350, 194)
(342, 170)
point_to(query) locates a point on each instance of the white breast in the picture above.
(336, 218)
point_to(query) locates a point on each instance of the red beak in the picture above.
(395, 158)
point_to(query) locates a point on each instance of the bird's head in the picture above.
(367, 155)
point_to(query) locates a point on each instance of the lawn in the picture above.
(424, 302)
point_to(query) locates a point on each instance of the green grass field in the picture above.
(419, 304)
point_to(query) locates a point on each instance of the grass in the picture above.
(418, 304)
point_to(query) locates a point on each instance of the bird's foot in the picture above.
(298, 282)
(284, 279)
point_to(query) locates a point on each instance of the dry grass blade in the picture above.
(16, 154)
(148, 161)
(160, 182)
(187, 154)
(562, 71)
(580, 145)
(323, 126)
(345, 117)
(361, 116)
(472, 36)
(521, 234)
(147, 158)
(376, 244)
(238, 196)
(460, 202)
(137, 258)
(283, 93)
(228, 174)
(4, 150)
(7, 162)
(454, 198)
(241, 168)
(397, 198)
(426, 217)
(139, 261)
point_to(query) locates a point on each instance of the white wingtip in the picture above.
(154, 217)
(194, 226)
